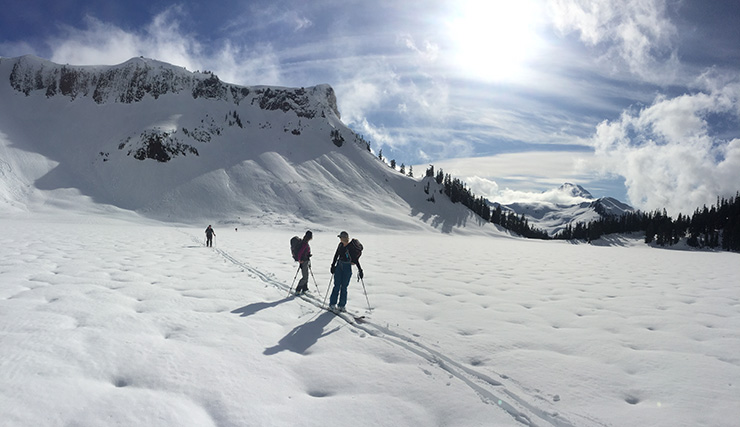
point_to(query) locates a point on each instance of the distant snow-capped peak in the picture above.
(575, 190)
(570, 203)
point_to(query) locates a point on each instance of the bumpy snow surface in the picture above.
(111, 319)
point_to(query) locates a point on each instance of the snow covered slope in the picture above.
(568, 204)
(173, 144)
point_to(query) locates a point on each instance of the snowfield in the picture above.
(119, 320)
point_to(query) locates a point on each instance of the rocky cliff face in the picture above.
(137, 78)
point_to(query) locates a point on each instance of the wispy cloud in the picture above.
(163, 39)
(507, 177)
(636, 33)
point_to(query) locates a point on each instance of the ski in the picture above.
(347, 316)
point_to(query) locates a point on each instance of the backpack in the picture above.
(295, 246)
(356, 247)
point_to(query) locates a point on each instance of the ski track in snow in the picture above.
(491, 391)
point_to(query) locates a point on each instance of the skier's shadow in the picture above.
(302, 337)
(251, 309)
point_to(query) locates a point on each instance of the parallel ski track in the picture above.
(491, 391)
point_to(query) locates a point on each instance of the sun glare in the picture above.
(493, 39)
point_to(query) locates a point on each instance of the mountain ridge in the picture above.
(136, 78)
(154, 138)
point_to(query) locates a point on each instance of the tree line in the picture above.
(458, 192)
(709, 227)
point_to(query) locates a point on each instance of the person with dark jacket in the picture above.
(341, 267)
(209, 236)
(303, 255)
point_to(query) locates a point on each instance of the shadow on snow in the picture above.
(251, 309)
(302, 337)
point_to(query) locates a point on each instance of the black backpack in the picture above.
(295, 246)
(356, 248)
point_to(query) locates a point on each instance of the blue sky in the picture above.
(635, 99)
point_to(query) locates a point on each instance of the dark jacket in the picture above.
(346, 254)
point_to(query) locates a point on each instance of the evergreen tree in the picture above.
(439, 177)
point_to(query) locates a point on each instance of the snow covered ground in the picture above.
(112, 319)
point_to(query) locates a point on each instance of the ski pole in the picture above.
(366, 298)
(314, 278)
(294, 277)
(327, 291)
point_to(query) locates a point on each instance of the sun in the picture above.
(493, 39)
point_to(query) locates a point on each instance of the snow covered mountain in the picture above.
(173, 144)
(568, 204)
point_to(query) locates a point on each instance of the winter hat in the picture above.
(309, 235)
(343, 234)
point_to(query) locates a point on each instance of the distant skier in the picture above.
(209, 236)
(303, 255)
(348, 253)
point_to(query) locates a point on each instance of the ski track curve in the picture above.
(491, 391)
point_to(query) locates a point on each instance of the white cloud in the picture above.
(521, 173)
(668, 155)
(11, 50)
(550, 197)
(491, 190)
(429, 52)
(482, 186)
(637, 33)
(300, 22)
(542, 166)
(101, 43)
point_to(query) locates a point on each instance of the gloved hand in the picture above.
(333, 269)
(361, 274)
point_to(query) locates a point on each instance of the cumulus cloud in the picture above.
(669, 154)
(552, 197)
(637, 33)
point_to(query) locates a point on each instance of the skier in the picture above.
(209, 236)
(348, 253)
(303, 256)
